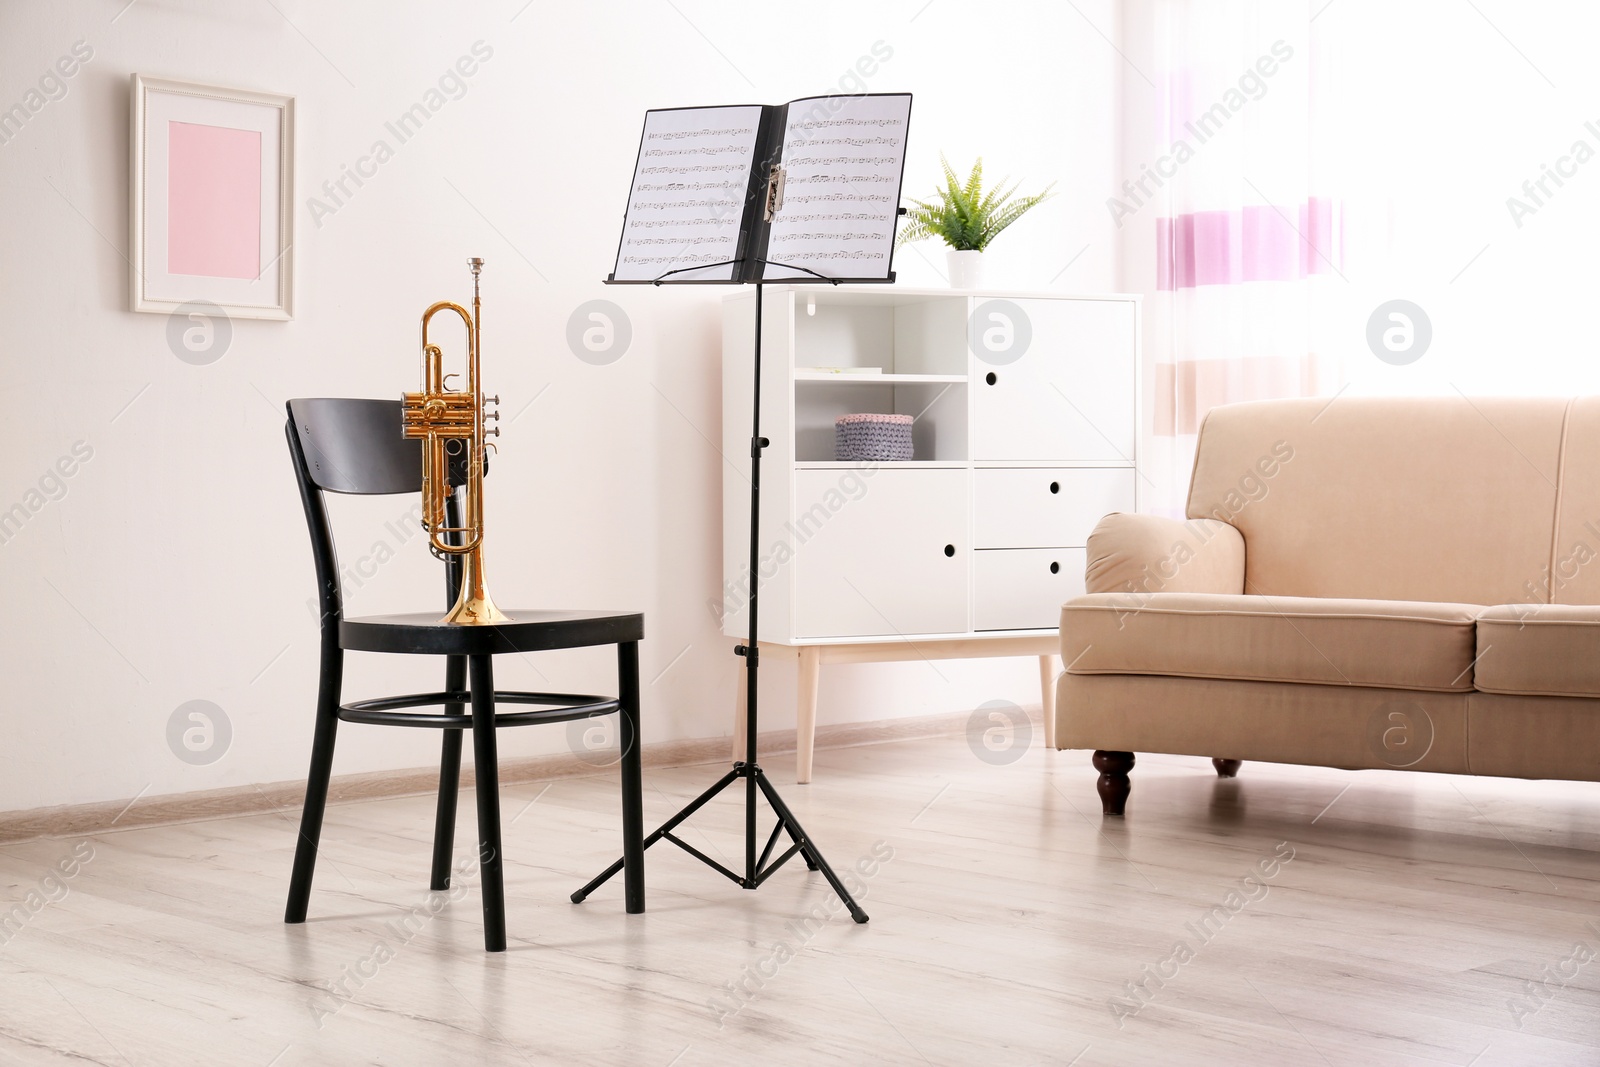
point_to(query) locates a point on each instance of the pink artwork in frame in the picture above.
(213, 201)
(211, 191)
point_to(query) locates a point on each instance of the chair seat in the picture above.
(421, 633)
(1539, 650)
(1388, 644)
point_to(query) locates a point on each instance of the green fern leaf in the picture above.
(962, 214)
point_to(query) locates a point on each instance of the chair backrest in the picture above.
(355, 446)
(342, 445)
(1394, 498)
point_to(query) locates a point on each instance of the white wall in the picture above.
(175, 567)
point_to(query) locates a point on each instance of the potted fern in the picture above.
(967, 218)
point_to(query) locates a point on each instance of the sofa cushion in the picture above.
(1539, 650)
(1386, 644)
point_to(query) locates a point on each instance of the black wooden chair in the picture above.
(355, 446)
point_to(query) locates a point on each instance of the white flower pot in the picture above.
(966, 268)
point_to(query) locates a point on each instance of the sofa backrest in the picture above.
(1404, 498)
(1573, 576)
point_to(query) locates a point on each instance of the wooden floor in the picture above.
(1007, 923)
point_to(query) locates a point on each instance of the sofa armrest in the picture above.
(1144, 554)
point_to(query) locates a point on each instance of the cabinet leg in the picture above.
(805, 726)
(1047, 687)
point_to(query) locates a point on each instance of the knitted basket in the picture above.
(872, 436)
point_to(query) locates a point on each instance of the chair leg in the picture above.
(632, 778)
(329, 684)
(444, 823)
(1226, 768)
(1113, 785)
(485, 758)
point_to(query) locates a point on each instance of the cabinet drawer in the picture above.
(1040, 507)
(880, 555)
(1016, 589)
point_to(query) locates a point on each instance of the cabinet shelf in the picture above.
(908, 464)
(1009, 464)
(881, 379)
(937, 403)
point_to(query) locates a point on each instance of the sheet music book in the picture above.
(814, 183)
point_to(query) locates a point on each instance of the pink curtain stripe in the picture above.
(1256, 243)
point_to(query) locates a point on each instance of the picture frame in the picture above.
(212, 199)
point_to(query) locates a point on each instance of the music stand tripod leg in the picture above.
(662, 831)
(807, 848)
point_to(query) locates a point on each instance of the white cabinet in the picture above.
(982, 534)
(880, 552)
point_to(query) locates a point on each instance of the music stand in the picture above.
(765, 196)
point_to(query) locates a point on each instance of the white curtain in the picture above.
(1242, 227)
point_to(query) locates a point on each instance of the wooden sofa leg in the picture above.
(1113, 785)
(1226, 768)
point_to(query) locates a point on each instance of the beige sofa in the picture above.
(1362, 583)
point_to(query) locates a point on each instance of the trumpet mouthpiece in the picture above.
(476, 264)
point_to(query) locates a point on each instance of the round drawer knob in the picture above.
(1055, 568)
(949, 550)
(1055, 487)
(991, 377)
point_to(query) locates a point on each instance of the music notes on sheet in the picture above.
(697, 134)
(854, 198)
(853, 142)
(684, 224)
(694, 150)
(659, 263)
(697, 168)
(688, 192)
(842, 158)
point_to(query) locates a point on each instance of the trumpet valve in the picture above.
(447, 415)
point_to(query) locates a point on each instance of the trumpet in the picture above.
(450, 425)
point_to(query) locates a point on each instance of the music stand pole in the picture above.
(756, 870)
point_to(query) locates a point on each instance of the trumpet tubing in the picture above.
(450, 425)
